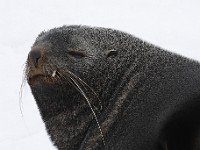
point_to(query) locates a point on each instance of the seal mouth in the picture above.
(38, 75)
(33, 78)
(35, 75)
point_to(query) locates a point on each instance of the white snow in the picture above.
(172, 24)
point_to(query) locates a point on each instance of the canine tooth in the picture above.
(54, 73)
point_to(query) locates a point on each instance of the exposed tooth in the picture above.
(54, 73)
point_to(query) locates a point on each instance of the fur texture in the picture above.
(144, 97)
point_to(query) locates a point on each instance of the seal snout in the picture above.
(38, 69)
(35, 64)
(35, 56)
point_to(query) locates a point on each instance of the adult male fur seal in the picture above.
(99, 88)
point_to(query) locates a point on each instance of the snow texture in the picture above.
(171, 24)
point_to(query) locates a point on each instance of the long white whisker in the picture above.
(95, 116)
(20, 97)
(72, 80)
(83, 83)
(21, 88)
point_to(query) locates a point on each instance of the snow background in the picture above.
(171, 24)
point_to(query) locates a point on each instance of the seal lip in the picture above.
(39, 75)
(35, 75)
(36, 72)
(35, 78)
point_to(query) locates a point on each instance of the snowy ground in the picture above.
(171, 24)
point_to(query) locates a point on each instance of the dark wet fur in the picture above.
(114, 91)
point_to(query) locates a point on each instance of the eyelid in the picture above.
(77, 54)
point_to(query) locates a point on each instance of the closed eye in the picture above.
(77, 54)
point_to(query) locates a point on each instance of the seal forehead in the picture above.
(96, 38)
(53, 36)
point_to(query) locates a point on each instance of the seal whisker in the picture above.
(61, 75)
(48, 73)
(86, 98)
(85, 87)
(43, 68)
(26, 72)
(51, 73)
(78, 80)
(24, 78)
(20, 95)
(58, 78)
(85, 84)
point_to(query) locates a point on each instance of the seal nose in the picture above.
(35, 56)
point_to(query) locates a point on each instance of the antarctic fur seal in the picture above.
(99, 88)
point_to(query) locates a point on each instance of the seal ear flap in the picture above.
(111, 53)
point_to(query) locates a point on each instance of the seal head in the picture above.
(66, 66)
(99, 88)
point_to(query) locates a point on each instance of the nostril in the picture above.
(35, 55)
